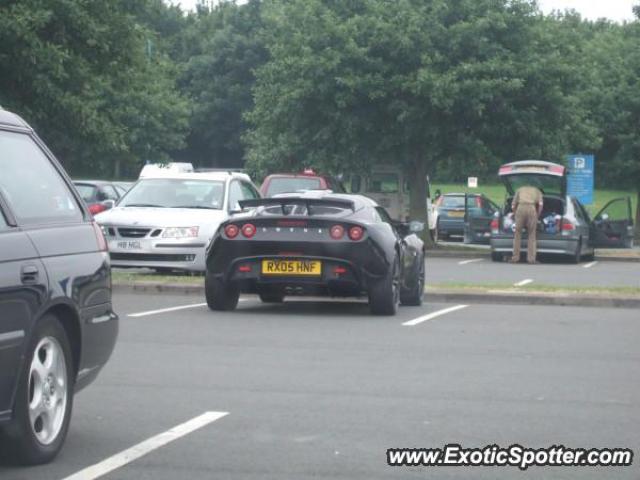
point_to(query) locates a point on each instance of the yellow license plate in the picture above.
(291, 267)
(456, 214)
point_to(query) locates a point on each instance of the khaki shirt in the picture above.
(528, 196)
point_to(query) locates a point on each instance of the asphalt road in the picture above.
(483, 270)
(322, 389)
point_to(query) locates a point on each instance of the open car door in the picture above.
(613, 225)
(479, 211)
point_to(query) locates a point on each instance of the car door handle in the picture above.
(29, 274)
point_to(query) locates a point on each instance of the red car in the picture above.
(296, 182)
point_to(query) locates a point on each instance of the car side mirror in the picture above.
(108, 204)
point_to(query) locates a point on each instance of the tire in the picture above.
(44, 397)
(220, 296)
(384, 294)
(497, 257)
(414, 296)
(271, 297)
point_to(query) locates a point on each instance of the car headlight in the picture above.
(180, 232)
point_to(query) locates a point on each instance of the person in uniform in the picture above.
(527, 207)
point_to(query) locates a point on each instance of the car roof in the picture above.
(360, 201)
(219, 176)
(297, 175)
(11, 119)
(461, 194)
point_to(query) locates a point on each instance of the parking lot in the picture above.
(481, 270)
(321, 389)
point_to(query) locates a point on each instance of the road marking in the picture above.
(173, 309)
(591, 264)
(433, 315)
(163, 310)
(129, 455)
(522, 283)
(473, 260)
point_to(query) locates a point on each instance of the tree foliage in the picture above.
(82, 74)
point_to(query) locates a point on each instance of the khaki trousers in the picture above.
(526, 217)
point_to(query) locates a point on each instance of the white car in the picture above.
(166, 222)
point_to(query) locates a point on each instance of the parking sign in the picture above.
(580, 177)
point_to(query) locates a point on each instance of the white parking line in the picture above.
(473, 260)
(163, 310)
(129, 455)
(522, 283)
(590, 264)
(433, 315)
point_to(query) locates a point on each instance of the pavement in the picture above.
(321, 389)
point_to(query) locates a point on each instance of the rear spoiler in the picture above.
(307, 202)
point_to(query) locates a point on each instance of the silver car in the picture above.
(166, 223)
(565, 227)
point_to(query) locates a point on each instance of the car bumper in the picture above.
(99, 331)
(450, 226)
(162, 253)
(555, 246)
(339, 277)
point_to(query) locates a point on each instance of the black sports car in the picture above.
(315, 243)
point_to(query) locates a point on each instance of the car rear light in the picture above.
(231, 231)
(96, 208)
(495, 226)
(248, 230)
(336, 232)
(102, 242)
(339, 270)
(356, 233)
(244, 268)
(567, 225)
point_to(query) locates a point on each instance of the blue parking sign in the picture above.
(580, 177)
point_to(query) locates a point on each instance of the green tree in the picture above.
(412, 82)
(81, 73)
(218, 78)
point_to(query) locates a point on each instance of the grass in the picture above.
(497, 193)
(124, 278)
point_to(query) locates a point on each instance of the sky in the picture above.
(617, 10)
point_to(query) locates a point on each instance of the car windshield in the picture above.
(292, 184)
(175, 193)
(452, 202)
(87, 192)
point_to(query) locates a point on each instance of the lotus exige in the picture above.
(315, 243)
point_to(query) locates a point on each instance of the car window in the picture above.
(175, 193)
(235, 195)
(248, 192)
(110, 192)
(32, 186)
(121, 190)
(384, 183)
(384, 216)
(454, 201)
(87, 192)
(292, 184)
